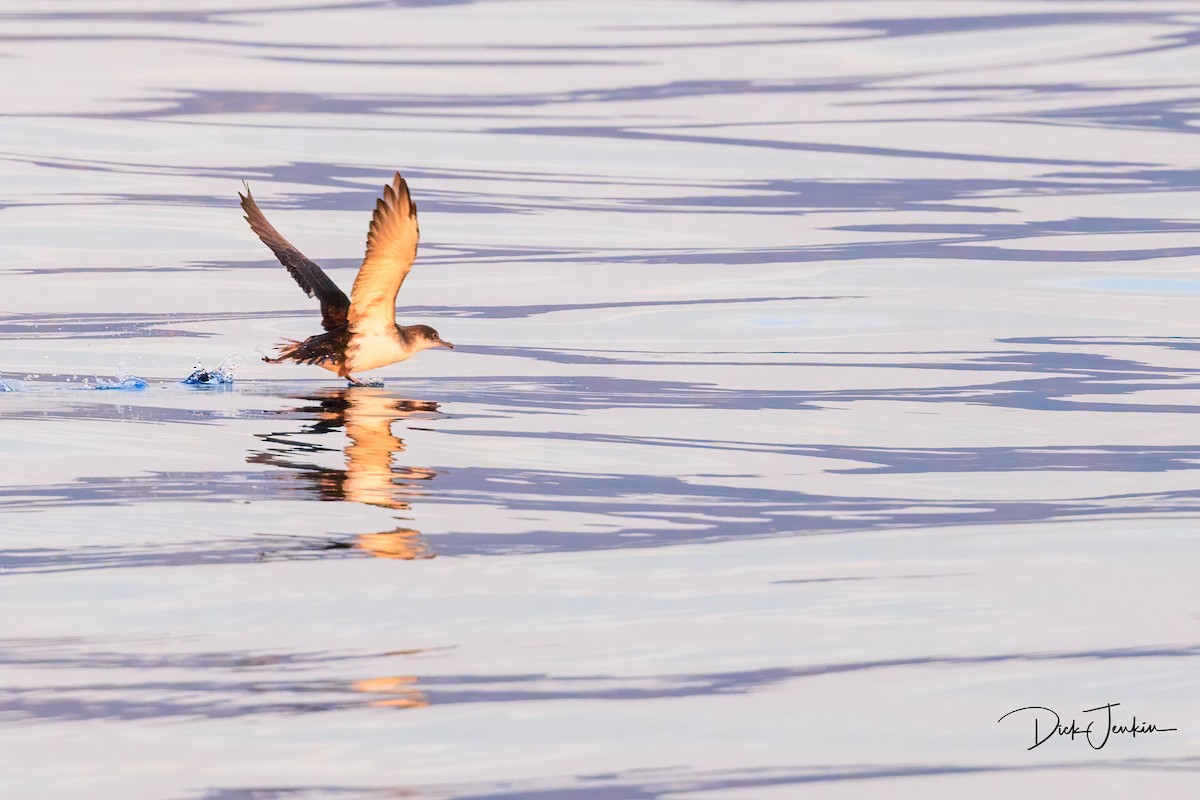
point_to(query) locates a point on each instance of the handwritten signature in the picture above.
(1053, 725)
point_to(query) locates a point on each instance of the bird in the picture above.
(360, 330)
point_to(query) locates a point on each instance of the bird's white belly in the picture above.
(373, 349)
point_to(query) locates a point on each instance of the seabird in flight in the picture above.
(360, 331)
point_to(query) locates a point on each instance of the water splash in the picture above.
(230, 363)
(221, 376)
(131, 382)
(207, 377)
(124, 380)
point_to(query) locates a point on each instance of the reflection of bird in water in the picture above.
(360, 331)
(370, 477)
(398, 691)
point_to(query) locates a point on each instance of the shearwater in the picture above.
(360, 331)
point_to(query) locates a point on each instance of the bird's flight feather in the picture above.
(391, 249)
(312, 279)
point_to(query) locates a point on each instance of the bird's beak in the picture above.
(445, 344)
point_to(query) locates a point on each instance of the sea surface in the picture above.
(825, 388)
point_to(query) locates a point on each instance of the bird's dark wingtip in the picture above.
(400, 187)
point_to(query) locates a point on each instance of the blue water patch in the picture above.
(128, 383)
(208, 377)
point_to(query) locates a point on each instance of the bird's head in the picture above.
(426, 337)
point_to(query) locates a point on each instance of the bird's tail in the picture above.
(325, 350)
(286, 349)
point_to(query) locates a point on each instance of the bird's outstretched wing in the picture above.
(391, 249)
(312, 279)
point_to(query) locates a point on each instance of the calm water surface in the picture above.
(825, 388)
